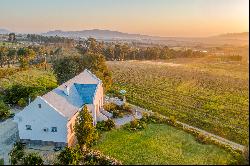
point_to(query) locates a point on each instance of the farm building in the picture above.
(50, 118)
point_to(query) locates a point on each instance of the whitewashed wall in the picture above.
(98, 100)
(40, 118)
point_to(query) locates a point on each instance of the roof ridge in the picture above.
(93, 75)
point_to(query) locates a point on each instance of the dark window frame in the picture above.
(28, 127)
(53, 129)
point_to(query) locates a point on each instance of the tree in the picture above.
(25, 55)
(68, 67)
(32, 159)
(12, 37)
(70, 156)
(85, 131)
(4, 111)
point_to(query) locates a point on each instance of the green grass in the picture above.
(30, 77)
(160, 144)
(208, 94)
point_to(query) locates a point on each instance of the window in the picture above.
(28, 127)
(39, 105)
(45, 129)
(54, 129)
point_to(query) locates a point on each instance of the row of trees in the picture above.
(27, 55)
(49, 39)
(116, 51)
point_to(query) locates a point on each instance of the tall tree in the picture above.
(85, 131)
(68, 67)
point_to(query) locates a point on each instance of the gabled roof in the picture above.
(82, 89)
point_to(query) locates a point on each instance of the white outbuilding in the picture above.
(50, 118)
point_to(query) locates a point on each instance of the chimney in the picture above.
(66, 90)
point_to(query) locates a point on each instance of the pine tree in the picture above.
(85, 131)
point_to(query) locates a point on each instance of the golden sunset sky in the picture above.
(151, 17)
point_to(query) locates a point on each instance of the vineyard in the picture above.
(210, 95)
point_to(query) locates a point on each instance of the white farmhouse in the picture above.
(50, 118)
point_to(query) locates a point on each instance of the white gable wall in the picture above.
(98, 99)
(40, 118)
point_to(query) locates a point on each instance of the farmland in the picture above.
(160, 144)
(208, 93)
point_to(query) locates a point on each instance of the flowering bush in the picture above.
(95, 157)
(78, 156)
(136, 125)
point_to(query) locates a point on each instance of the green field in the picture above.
(160, 144)
(205, 92)
(30, 77)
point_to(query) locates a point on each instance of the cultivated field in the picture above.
(160, 144)
(209, 93)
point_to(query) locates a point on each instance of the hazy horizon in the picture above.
(189, 18)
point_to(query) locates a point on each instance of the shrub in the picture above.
(105, 125)
(100, 126)
(117, 114)
(32, 159)
(17, 153)
(4, 111)
(127, 108)
(172, 120)
(69, 156)
(136, 125)
(202, 138)
(75, 156)
(22, 102)
(110, 107)
(109, 124)
(97, 158)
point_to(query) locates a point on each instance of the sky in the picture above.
(182, 18)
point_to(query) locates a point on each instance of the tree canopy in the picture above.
(85, 131)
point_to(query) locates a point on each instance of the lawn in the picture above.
(160, 144)
(30, 77)
(206, 93)
(1, 162)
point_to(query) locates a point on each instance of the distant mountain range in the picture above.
(242, 35)
(96, 33)
(4, 31)
(104, 34)
(228, 38)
